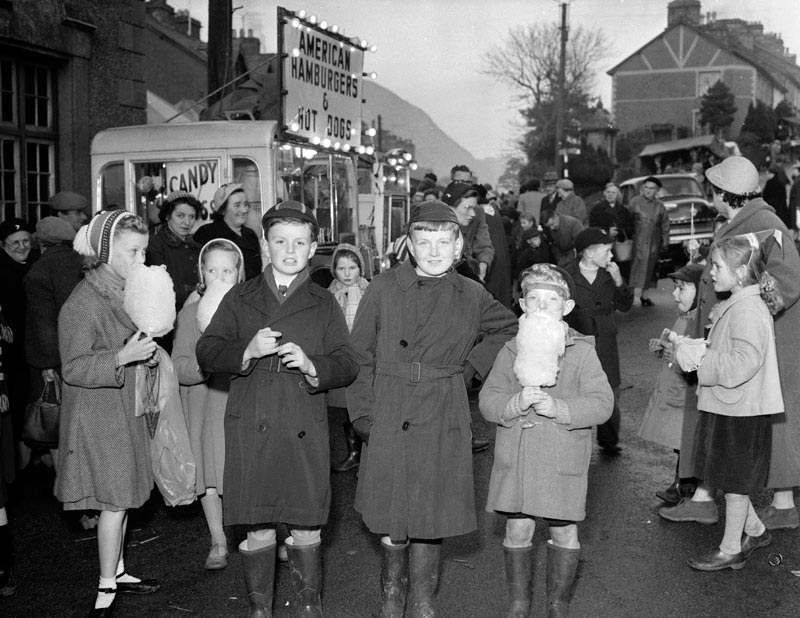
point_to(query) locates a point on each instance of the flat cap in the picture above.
(290, 210)
(54, 229)
(433, 210)
(456, 190)
(67, 200)
(566, 184)
(691, 273)
(550, 177)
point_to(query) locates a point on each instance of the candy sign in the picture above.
(200, 178)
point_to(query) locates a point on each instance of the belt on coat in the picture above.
(273, 363)
(417, 372)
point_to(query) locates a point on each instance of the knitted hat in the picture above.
(96, 238)
(210, 245)
(347, 247)
(223, 193)
(54, 230)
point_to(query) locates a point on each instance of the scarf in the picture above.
(348, 297)
(111, 286)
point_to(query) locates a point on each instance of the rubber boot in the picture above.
(423, 570)
(394, 580)
(259, 579)
(8, 585)
(562, 566)
(519, 573)
(305, 564)
(353, 449)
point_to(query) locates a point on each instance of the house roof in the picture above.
(737, 50)
(701, 141)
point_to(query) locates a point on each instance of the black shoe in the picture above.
(8, 585)
(646, 302)
(104, 612)
(145, 586)
(610, 449)
(480, 444)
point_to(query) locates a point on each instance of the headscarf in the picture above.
(348, 296)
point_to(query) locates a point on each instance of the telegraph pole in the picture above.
(561, 92)
(219, 46)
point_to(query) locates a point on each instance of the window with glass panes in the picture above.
(27, 138)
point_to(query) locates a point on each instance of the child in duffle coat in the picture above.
(284, 341)
(347, 288)
(205, 396)
(663, 418)
(600, 290)
(415, 335)
(543, 446)
(739, 389)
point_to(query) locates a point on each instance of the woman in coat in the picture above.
(229, 215)
(104, 449)
(651, 236)
(736, 188)
(610, 215)
(173, 246)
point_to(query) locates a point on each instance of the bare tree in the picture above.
(527, 60)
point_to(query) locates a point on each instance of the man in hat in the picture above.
(284, 341)
(651, 236)
(550, 201)
(570, 203)
(414, 334)
(563, 230)
(70, 207)
(600, 290)
(478, 248)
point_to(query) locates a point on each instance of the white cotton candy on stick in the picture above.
(209, 303)
(541, 341)
(150, 299)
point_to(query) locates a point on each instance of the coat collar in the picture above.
(407, 276)
(747, 211)
(721, 307)
(256, 293)
(172, 239)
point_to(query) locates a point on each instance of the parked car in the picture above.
(691, 214)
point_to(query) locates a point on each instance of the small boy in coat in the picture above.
(284, 341)
(415, 335)
(544, 443)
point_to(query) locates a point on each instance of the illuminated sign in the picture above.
(322, 84)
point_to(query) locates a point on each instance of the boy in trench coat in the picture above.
(283, 339)
(415, 334)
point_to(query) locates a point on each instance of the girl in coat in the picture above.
(738, 391)
(204, 396)
(663, 419)
(348, 289)
(104, 444)
(543, 445)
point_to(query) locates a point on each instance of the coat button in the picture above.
(262, 427)
(406, 425)
(403, 343)
(303, 384)
(301, 435)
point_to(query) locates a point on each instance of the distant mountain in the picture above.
(433, 147)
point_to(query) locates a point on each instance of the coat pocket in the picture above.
(574, 449)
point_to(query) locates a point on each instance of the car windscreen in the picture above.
(681, 187)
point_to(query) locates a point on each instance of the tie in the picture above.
(282, 289)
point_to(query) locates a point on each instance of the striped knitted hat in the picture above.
(96, 237)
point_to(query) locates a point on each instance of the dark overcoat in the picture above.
(179, 256)
(48, 284)
(783, 263)
(413, 336)
(247, 241)
(593, 315)
(277, 456)
(104, 449)
(498, 278)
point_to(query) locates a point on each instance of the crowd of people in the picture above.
(516, 297)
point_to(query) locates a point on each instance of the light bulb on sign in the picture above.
(313, 19)
(407, 156)
(364, 44)
(323, 24)
(295, 52)
(413, 165)
(373, 48)
(334, 28)
(326, 143)
(337, 145)
(361, 150)
(371, 132)
(392, 161)
(295, 126)
(315, 140)
(301, 13)
(295, 22)
(370, 150)
(346, 147)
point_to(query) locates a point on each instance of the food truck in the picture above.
(310, 153)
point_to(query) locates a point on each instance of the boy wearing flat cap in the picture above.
(415, 334)
(284, 341)
(600, 290)
(70, 207)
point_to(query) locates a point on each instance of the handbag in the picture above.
(42, 417)
(623, 250)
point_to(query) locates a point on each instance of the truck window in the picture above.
(112, 185)
(246, 173)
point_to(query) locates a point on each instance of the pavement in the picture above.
(633, 563)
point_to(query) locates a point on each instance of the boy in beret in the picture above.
(415, 334)
(284, 341)
(600, 290)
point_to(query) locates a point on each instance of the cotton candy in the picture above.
(150, 299)
(541, 341)
(208, 304)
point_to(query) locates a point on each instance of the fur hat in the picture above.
(96, 237)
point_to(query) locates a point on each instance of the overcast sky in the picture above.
(429, 51)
